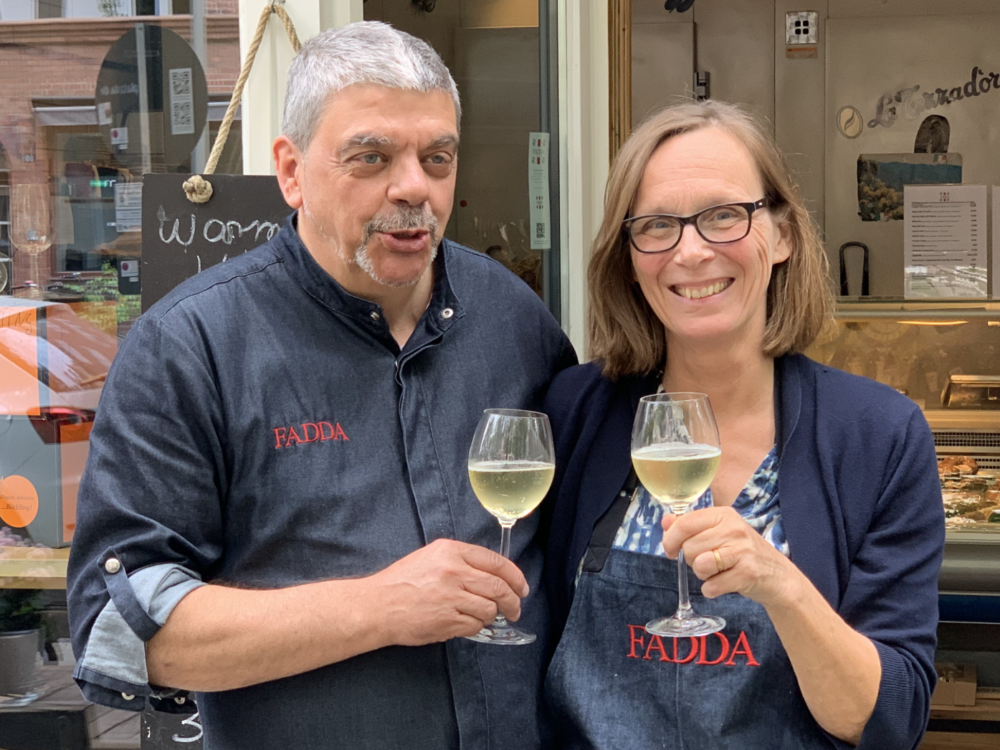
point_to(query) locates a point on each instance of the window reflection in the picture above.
(63, 306)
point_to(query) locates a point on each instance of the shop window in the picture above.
(59, 334)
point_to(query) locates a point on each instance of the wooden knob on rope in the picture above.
(197, 189)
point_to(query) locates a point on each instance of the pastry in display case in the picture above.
(971, 497)
(942, 354)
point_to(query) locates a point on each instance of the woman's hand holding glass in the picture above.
(675, 452)
(730, 556)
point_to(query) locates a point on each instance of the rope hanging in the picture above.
(197, 188)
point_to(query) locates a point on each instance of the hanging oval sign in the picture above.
(151, 99)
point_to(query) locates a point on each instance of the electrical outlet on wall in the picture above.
(802, 27)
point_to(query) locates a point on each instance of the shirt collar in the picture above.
(444, 310)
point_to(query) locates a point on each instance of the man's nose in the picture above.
(408, 183)
(692, 248)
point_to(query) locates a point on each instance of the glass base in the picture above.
(691, 626)
(502, 634)
(16, 701)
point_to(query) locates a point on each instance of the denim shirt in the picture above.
(261, 427)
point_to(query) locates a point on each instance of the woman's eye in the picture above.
(659, 224)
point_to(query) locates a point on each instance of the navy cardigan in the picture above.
(860, 502)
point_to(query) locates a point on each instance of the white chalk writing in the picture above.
(213, 230)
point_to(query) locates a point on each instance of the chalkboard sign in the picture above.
(163, 731)
(181, 238)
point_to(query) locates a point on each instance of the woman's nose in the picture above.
(692, 248)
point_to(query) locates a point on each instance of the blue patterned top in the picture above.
(757, 503)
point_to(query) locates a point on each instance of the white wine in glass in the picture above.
(675, 452)
(511, 465)
(677, 475)
(510, 490)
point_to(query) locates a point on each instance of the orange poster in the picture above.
(18, 501)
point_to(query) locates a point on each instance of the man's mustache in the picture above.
(403, 219)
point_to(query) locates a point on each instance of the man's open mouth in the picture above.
(406, 240)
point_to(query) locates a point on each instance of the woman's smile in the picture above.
(701, 290)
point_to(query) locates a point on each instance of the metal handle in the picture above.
(864, 269)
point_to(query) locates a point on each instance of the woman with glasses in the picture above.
(820, 538)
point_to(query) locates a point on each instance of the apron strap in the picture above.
(607, 527)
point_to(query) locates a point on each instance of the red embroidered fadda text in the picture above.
(308, 432)
(708, 650)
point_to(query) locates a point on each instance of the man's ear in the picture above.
(289, 163)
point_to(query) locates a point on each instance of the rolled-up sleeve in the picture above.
(150, 508)
(112, 670)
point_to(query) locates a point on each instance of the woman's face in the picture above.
(704, 292)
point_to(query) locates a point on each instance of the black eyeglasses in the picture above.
(658, 233)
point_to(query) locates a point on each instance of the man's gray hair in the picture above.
(365, 52)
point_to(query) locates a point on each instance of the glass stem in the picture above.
(505, 538)
(36, 293)
(505, 528)
(683, 602)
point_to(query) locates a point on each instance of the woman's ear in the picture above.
(783, 247)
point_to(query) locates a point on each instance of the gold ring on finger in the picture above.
(718, 560)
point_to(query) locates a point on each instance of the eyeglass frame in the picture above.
(749, 206)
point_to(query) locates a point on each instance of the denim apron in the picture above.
(613, 685)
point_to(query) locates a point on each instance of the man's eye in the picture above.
(371, 158)
(439, 159)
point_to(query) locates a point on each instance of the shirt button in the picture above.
(113, 566)
(447, 313)
(128, 696)
(375, 316)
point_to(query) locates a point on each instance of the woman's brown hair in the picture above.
(625, 333)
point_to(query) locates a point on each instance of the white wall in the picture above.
(264, 94)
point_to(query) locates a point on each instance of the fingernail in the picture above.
(525, 591)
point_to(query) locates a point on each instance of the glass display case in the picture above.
(945, 356)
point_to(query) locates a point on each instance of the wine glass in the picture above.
(31, 229)
(511, 465)
(675, 452)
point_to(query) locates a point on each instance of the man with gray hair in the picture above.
(276, 512)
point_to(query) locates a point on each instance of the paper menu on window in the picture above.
(944, 250)
(538, 191)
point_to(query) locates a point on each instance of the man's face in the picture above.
(377, 184)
